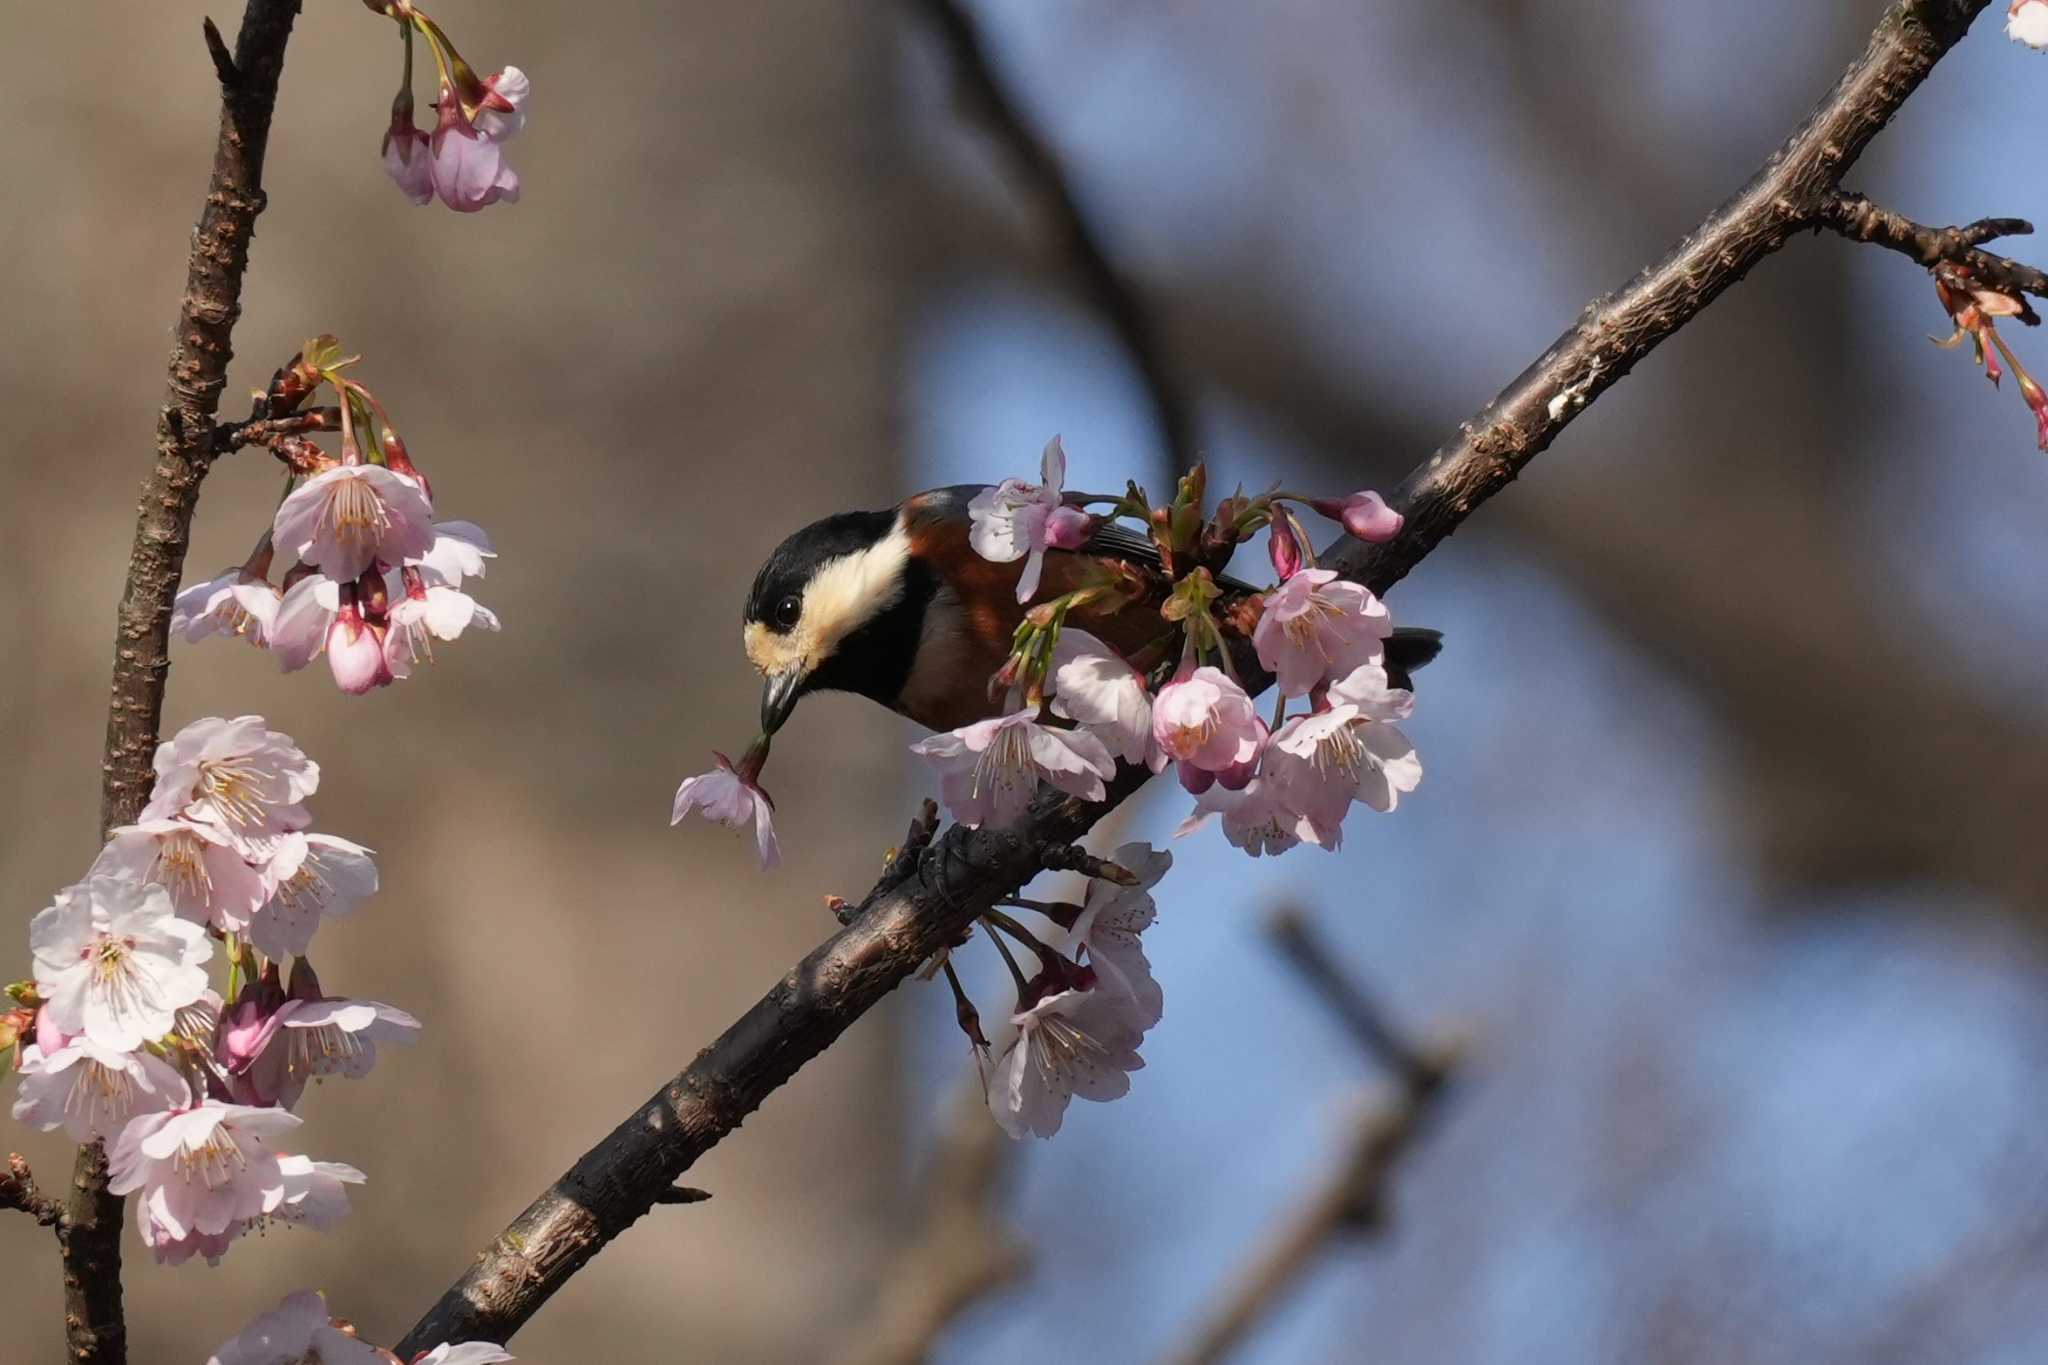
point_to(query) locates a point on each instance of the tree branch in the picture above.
(18, 1190)
(907, 918)
(1034, 163)
(1352, 1199)
(89, 1234)
(1858, 219)
(962, 1252)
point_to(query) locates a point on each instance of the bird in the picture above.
(896, 605)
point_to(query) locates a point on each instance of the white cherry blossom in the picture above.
(236, 603)
(237, 775)
(1071, 1042)
(349, 517)
(1095, 688)
(317, 876)
(297, 1332)
(114, 962)
(988, 770)
(208, 879)
(204, 1169)
(1008, 521)
(91, 1091)
(724, 797)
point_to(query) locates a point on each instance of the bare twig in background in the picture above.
(964, 872)
(1352, 1199)
(89, 1234)
(18, 1190)
(1858, 219)
(1035, 163)
(962, 1252)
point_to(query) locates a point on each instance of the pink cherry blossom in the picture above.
(988, 770)
(349, 517)
(304, 619)
(90, 1091)
(275, 1052)
(1204, 720)
(1316, 626)
(1069, 1043)
(408, 157)
(115, 963)
(469, 167)
(1256, 819)
(725, 797)
(2027, 22)
(1094, 687)
(236, 603)
(1008, 522)
(509, 89)
(1111, 919)
(1325, 761)
(297, 1332)
(237, 775)
(208, 879)
(203, 1169)
(317, 876)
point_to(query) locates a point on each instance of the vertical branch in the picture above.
(89, 1234)
(1034, 163)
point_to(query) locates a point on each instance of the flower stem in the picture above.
(1009, 958)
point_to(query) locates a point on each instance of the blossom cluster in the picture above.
(1974, 312)
(377, 579)
(1076, 706)
(462, 161)
(120, 1036)
(1077, 1022)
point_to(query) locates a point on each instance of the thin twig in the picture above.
(1352, 1200)
(1037, 166)
(962, 1253)
(915, 912)
(89, 1235)
(18, 1190)
(1860, 220)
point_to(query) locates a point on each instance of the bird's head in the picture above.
(839, 606)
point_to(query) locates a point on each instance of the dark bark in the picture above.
(89, 1234)
(906, 919)
(1856, 218)
(18, 1190)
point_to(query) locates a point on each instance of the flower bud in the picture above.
(1284, 548)
(1068, 528)
(1364, 514)
(355, 650)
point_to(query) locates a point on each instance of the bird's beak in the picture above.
(778, 698)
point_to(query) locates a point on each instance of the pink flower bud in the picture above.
(1068, 528)
(355, 652)
(1367, 516)
(408, 160)
(1284, 547)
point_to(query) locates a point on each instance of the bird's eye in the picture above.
(787, 611)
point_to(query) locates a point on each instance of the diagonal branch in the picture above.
(1035, 163)
(1858, 219)
(905, 920)
(1352, 1198)
(89, 1234)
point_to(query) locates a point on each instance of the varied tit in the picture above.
(897, 606)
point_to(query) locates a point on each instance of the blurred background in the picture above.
(1728, 865)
